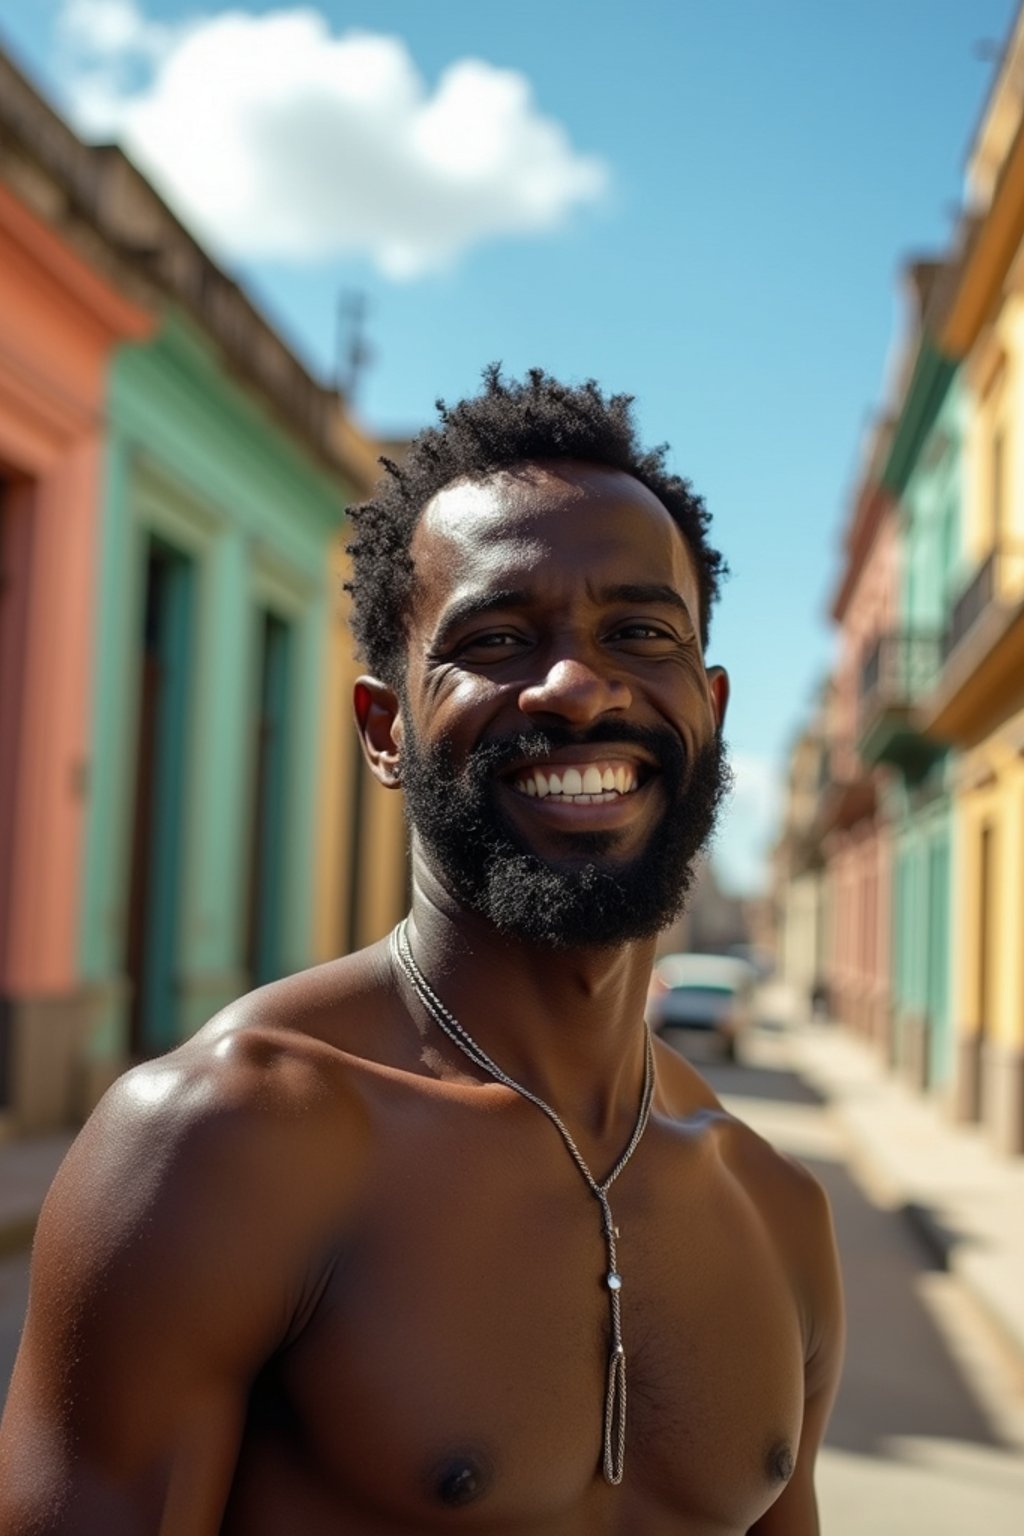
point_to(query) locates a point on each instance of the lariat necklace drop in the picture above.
(615, 1391)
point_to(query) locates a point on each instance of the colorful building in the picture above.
(799, 870)
(940, 695)
(177, 821)
(922, 476)
(61, 320)
(852, 821)
(979, 703)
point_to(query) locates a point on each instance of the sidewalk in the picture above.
(964, 1200)
(26, 1171)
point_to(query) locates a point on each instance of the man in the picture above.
(430, 1237)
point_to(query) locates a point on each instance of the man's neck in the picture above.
(565, 1023)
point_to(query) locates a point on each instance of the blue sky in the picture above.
(705, 204)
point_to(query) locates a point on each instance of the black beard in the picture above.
(586, 901)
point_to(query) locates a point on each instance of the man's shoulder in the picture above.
(755, 1162)
(793, 1210)
(258, 1097)
(790, 1203)
(295, 1042)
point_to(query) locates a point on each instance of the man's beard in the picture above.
(589, 899)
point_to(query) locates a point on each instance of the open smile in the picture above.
(579, 783)
(583, 791)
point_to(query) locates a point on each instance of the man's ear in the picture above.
(379, 723)
(718, 685)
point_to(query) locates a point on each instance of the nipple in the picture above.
(460, 1479)
(781, 1463)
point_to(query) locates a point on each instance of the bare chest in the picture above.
(458, 1354)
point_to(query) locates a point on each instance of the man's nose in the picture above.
(576, 691)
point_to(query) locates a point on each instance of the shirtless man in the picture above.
(319, 1270)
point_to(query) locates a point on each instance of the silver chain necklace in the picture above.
(615, 1392)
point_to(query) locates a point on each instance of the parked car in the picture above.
(709, 995)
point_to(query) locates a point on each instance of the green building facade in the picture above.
(217, 525)
(923, 473)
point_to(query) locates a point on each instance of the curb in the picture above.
(932, 1237)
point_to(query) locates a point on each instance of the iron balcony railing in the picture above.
(899, 668)
(974, 598)
(998, 582)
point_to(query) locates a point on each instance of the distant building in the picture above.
(978, 706)
(713, 923)
(799, 888)
(916, 845)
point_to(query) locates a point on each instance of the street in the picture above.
(927, 1434)
(928, 1431)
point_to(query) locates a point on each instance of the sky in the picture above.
(704, 203)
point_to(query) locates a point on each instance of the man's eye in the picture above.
(496, 641)
(639, 631)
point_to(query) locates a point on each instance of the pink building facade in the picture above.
(858, 841)
(59, 321)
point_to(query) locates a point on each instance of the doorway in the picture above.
(265, 949)
(157, 835)
(16, 528)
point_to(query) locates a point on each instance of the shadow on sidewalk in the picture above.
(899, 1378)
(757, 1082)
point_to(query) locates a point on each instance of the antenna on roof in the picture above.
(353, 352)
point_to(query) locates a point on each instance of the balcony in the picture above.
(972, 602)
(898, 672)
(982, 650)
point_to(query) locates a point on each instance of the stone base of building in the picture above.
(47, 1039)
(891, 1041)
(881, 1028)
(966, 1096)
(64, 1052)
(204, 993)
(1004, 1097)
(916, 1050)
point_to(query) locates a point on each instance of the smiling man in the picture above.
(435, 1236)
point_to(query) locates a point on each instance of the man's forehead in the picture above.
(536, 485)
(535, 502)
(547, 531)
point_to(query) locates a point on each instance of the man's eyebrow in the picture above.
(646, 592)
(463, 610)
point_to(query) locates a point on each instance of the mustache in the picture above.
(661, 744)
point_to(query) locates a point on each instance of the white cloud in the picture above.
(275, 138)
(110, 30)
(749, 825)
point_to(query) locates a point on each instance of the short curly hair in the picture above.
(507, 424)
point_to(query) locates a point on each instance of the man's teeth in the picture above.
(591, 781)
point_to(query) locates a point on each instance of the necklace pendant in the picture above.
(615, 1417)
(613, 1281)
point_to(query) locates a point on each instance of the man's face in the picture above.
(560, 744)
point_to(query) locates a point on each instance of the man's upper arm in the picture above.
(795, 1511)
(166, 1269)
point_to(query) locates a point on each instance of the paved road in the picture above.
(928, 1430)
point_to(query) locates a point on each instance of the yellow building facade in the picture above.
(362, 864)
(979, 706)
